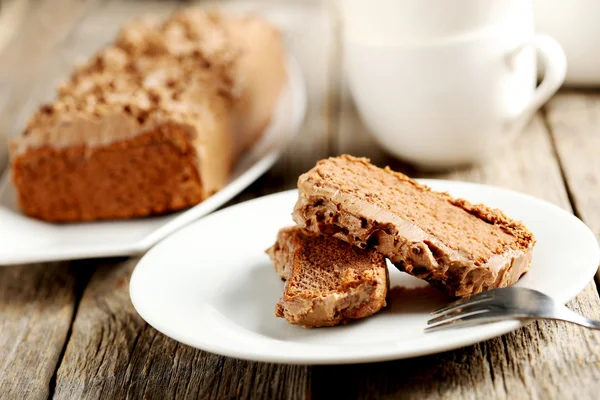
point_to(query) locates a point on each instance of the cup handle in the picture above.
(555, 69)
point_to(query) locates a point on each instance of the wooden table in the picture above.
(68, 329)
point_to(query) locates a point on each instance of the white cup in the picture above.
(451, 81)
(574, 24)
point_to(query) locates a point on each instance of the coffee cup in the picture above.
(441, 94)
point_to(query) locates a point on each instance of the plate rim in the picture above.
(250, 355)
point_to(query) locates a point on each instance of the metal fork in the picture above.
(511, 303)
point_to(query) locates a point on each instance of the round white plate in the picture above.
(26, 240)
(211, 285)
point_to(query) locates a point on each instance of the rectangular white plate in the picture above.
(26, 240)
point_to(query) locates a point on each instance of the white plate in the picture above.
(211, 285)
(24, 240)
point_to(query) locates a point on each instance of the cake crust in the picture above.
(328, 282)
(456, 246)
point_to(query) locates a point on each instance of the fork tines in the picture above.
(463, 312)
(478, 298)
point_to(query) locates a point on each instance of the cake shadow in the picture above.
(414, 300)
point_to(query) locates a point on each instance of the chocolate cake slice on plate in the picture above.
(456, 246)
(328, 281)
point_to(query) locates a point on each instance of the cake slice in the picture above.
(154, 122)
(328, 282)
(456, 246)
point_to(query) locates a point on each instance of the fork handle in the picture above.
(571, 316)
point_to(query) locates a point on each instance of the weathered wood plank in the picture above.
(574, 121)
(542, 360)
(113, 353)
(37, 303)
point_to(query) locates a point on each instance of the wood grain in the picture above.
(537, 361)
(37, 305)
(573, 118)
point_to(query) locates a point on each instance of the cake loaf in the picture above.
(154, 122)
(328, 282)
(456, 246)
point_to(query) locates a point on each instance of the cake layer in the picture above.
(456, 246)
(150, 174)
(328, 282)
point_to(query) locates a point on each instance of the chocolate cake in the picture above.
(456, 246)
(154, 122)
(328, 282)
